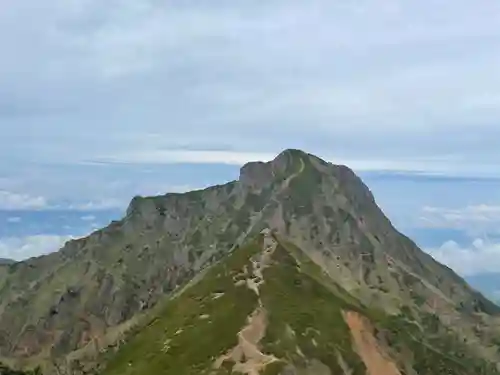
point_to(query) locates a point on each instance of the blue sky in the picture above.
(100, 101)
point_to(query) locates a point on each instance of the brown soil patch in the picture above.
(246, 355)
(374, 357)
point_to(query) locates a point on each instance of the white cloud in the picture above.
(88, 218)
(323, 75)
(373, 85)
(19, 248)
(94, 205)
(479, 257)
(14, 219)
(422, 165)
(11, 201)
(15, 201)
(478, 219)
(188, 156)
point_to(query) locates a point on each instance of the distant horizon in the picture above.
(432, 237)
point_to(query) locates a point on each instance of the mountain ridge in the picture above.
(330, 334)
(86, 297)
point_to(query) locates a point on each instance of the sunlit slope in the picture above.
(267, 309)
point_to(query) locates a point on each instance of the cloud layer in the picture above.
(19, 248)
(100, 101)
(130, 81)
(474, 219)
(481, 256)
(12, 201)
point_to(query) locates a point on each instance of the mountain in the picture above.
(4, 261)
(289, 318)
(291, 269)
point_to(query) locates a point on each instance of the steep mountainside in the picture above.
(66, 308)
(268, 309)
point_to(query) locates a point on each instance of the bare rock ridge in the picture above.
(69, 306)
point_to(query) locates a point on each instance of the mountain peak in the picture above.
(323, 214)
(292, 152)
(258, 175)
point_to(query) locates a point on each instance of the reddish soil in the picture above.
(373, 355)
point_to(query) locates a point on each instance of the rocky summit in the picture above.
(290, 270)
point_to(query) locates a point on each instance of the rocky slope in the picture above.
(268, 309)
(64, 309)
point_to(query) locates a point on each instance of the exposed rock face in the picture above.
(256, 176)
(53, 305)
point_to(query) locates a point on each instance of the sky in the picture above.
(101, 101)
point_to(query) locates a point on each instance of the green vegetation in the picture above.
(304, 323)
(5, 370)
(195, 328)
(202, 323)
(274, 368)
(304, 186)
(242, 218)
(435, 350)
(304, 314)
(120, 272)
(257, 202)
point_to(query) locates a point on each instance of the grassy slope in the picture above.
(5, 370)
(305, 322)
(434, 349)
(297, 302)
(193, 342)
